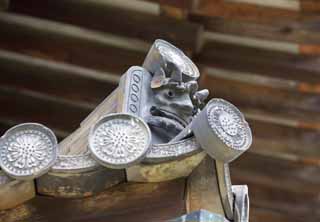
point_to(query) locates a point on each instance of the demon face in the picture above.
(175, 102)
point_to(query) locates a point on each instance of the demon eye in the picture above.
(170, 94)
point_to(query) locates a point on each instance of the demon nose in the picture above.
(185, 106)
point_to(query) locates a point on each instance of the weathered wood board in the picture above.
(126, 202)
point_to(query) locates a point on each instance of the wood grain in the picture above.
(70, 44)
(287, 30)
(55, 79)
(292, 188)
(244, 11)
(202, 190)
(79, 185)
(127, 202)
(14, 192)
(126, 23)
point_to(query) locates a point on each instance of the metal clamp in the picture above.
(225, 188)
(241, 203)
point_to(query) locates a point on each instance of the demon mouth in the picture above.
(155, 111)
(167, 120)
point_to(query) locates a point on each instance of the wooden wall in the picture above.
(59, 59)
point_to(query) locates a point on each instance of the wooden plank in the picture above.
(202, 189)
(295, 108)
(77, 142)
(265, 62)
(284, 119)
(79, 185)
(134, 5)
(173, 12)
(309, 6)
(164, 171)
(30, 106)
(4, 5)
(128, 23)
(256, 43)
(303, 32)
(242, 11)
(285, 142)
(258, 214)
(182, 4)
(134, 201)
(70, 44)
(7, 123)
(57, 79)
(14, 192)
(282, 4)
(292, 188)
(264, 79)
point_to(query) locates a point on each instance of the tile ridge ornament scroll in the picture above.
(74, 163)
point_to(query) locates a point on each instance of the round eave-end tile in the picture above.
(222, 130)
(175, 55)
(229, 124)
(28, 151)
(119, 140)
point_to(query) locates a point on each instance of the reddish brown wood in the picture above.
(126, 22)
(81, 47)
(242, 10)
(265, 215)
(50, 111)
(128, 202)
(183, 4)
(56, 79)
(291, 188)
(261, 61)
(285, 30)
(301, 108)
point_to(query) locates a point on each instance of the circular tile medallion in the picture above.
(228, 123)
(119, 140)
(27, 151)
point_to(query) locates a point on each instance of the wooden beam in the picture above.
(309, 6)
(242, 11)
(182, 4)
(296, 109)
(164, 171)
(302, 32)
(30, 106)
(14, 192)
(79, 185)
(128, 23)
(202, 189)
(283, 118)
(70, 44)
(285, 142)
(4, 5)
(290, 187)
(281, 4)
(134, 201)
(7, 123)
(258, 214)
(265, 62)
(56, 79)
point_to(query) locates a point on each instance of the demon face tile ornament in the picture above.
(119, 140)
(27, 151)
